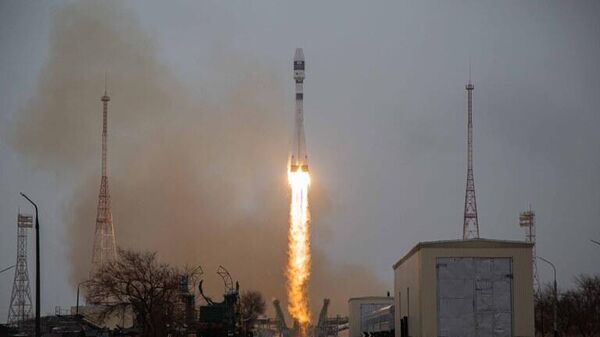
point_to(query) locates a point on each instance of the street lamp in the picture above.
(7, 268)
(37, 267)
(555, 296)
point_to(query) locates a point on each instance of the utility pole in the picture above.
(555, 306)
(37, 267)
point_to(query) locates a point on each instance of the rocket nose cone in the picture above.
(299, 56)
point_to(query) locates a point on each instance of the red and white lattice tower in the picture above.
(104, 238)
(471, 223)
(20, 307)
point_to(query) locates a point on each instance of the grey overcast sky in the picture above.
(385, 118)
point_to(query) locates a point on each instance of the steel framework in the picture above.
(104, 238)
(470, 223)
(527, 220)
(20, 309)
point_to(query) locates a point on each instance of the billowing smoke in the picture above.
(199, 180)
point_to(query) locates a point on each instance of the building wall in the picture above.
(419, 271)
(407, 294)
(354, 311)
(381, 320)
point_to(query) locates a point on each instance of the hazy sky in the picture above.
(385, 118)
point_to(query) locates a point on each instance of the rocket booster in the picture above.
(299, 157)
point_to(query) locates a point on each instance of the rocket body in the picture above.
(299, 157)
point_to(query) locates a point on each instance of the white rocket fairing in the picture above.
(299, 157)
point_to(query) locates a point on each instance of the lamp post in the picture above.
(37, 267)
(555, 296)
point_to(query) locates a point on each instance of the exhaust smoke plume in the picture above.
(196, 180)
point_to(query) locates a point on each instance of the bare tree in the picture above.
(252, 305)
(579, 309)
(585, 304)
(138, 281)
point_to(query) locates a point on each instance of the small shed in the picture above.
(464, 288)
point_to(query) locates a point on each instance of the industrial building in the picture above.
(380, 323)
(361, 310)
(463, 288)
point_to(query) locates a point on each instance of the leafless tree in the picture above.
(579, 309)
(138, 281)
(252, 305)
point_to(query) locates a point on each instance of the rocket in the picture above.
(299, 157)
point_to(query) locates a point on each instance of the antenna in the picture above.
(469, 69)
(105, 249)
(471, 222)
(527, 221)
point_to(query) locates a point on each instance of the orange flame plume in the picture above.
(298, 267)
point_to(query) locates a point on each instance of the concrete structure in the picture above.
(381, 322)
(361, 308)
(465, 288)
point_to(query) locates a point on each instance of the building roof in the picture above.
(472, 243)
(371, 298)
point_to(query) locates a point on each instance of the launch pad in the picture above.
(326, 326)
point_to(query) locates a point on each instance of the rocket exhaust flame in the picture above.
(299, 258)
(298, 266)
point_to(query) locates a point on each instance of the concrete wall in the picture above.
(407, 294)
(354, 311)
(418, 271)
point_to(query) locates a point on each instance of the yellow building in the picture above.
(465, 288)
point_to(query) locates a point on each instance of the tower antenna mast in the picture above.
(527, 221)
(470, 223)
(20, 309)
(105, 249)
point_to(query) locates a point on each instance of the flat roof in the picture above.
(372, 298)
(471, 243)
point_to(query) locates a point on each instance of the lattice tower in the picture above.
(20, 308)
(470, 223)
(104, 239)
(527, 220)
